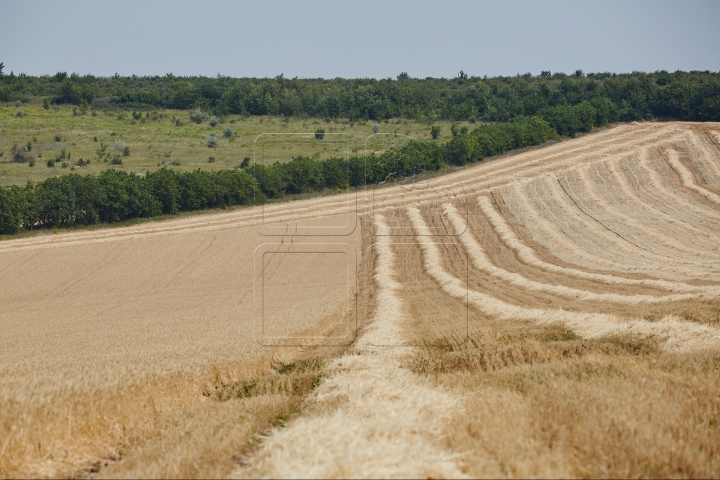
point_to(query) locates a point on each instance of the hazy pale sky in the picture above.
(376, 39)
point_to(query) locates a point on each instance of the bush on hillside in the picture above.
(198, 116)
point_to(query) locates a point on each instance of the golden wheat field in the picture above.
(551, 313)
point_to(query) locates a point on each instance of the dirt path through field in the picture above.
(371, 418)
(578, 215)
(586, 271)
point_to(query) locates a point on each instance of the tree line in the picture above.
(114, 196)
(627, 97)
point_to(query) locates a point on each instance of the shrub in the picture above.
(454, 129)
(435, 132)
(51, 163)
(245, 163)
(31, 162)
(29, 146)
(375, 127)
(214, 121)
(228, 132)
(46, 103)
(319, 134)
(212, 140)
(100, 152)
(568, 120)
(64, 164)
(13, 208)
(198, 116)
(126, 151)
(116, 160)
(211, 159)
(120, 146)
(464, 130)
(20, 154)
(58, 138)
(20, 113)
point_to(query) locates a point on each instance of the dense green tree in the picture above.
(435, 131)
(526, 111)
(302, 174)
(164, 186)
(638, 95)
(56, 201)
(125, 196)
(12, 207)
(569, 120)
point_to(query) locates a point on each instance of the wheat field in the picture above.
(555, 312)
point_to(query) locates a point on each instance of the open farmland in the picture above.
(550, 313)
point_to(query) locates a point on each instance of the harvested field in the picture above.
(551, 313)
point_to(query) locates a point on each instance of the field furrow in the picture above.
(362, 421)
(551, 312)
(483, 263)
(677, 334)
(635, 182)
(529, 256)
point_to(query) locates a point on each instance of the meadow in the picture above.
(170, 138)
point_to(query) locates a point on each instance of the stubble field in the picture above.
(550, 313)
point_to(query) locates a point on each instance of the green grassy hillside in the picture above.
(170, 138)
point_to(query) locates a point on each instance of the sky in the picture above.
(368, 39)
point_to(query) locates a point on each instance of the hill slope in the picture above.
(564, 304)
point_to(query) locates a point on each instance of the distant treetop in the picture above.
(637, 95)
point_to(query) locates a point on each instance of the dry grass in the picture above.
(111, 337)
(564, 304)
(208, 440)
(543, 402)
(370, 418)
(595, 395)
